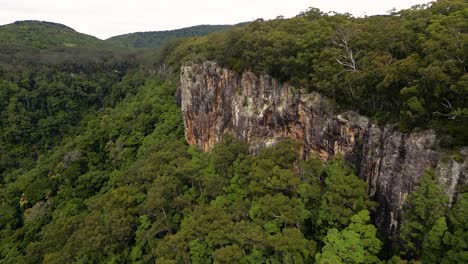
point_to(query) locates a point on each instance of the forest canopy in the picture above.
(407, 67)
(94, 167)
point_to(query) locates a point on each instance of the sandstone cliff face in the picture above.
(261, 111)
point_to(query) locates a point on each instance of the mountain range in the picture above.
(43, 35)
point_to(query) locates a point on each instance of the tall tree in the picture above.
(456, 239)
(345, 195)
(357, 243)
(423, 207)
(433, 247)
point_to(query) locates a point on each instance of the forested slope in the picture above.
(155, 39)
(41, 34)
(408, 67)
(44, 95)
(94, 167)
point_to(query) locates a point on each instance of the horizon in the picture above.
(106, 18)
(129, 33)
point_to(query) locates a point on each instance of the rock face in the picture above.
(261, 111)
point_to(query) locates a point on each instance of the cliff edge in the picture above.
(262, 111)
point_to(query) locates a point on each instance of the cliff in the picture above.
(262, 111)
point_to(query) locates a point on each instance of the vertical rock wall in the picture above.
(261, 111)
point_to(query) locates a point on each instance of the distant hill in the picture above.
(43, 35)
(154, 39)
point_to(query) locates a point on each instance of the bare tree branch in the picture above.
(450, 115)
(347, 59)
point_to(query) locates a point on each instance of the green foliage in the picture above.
(228, 254)
(344, 195)
(455, 241)
(32, 34)
(42, 102)
(122, 186)
(226, 153)
(423, 208)
(408, 67)
(157, 39)
(446, 240)
(432, 247)
(91, 219)
(94, 167)
(357, 243)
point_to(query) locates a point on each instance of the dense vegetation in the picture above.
(408, 67)
(155, 39)
(94, 167)
(40, 34)
(126, 189)
(45, 94)
(44, 35)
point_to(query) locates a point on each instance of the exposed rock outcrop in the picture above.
(261, 111)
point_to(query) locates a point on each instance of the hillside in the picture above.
(314, 139)
(43, 35)
(155, 39)
(407, 69)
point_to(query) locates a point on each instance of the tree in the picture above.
(200, 252)
(228, 254)
(283, 154)
(226, 152)
(347, 55)
(456, 239)
(290, 246)
(267, 177)
(345, 195)
(310, 191)
(433, 248)
(357, 243)
(423, 207)
(277, 212)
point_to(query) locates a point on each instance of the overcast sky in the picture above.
(106, 18)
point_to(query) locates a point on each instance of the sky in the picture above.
(106, 18)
